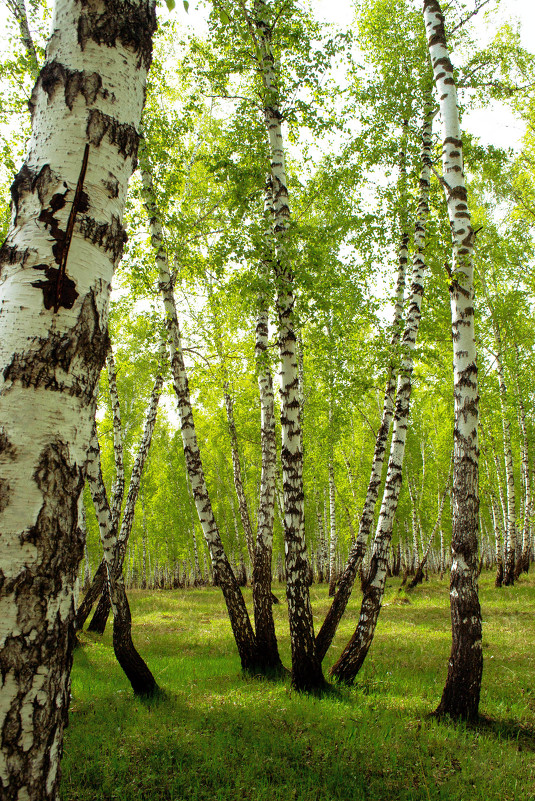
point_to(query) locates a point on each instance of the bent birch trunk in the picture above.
(133, 665)
(239, 617)
(354, 654)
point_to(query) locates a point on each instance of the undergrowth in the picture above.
(216, 734)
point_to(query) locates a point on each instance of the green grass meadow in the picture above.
(214, 734)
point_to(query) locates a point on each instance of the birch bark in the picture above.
(56, 267)
(356, 650)
(460, 698)
(510, 519)
(526, 471)
(262, 596)
(358, 548)
(100, 585)
(136, 670)
(239, 617)
(100, 617)
(306, 667)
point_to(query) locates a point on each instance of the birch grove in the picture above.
(276, 180)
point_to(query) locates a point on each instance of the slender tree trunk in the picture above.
(526, 470)
(100, 618)
(460, 698)
(262, 596)
(510, 519)
(133, 665)
(306, 667)
(237, 474)
(239, 617)
(419, 575)
(358, 547)
(56, 268)
(354, 654)
(332, 537)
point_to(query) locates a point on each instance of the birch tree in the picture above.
(55, 272)
(356, 650)
(460, 698)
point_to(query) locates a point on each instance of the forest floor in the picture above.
(217, 735)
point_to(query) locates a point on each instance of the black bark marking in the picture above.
(80, 352)
(112, 185)
(10, 254)
(50, 285)
(74, 82)
(111, 237)
(58, 288)
(44, 640)
(129, 23)
(124, 136)
(4, 494)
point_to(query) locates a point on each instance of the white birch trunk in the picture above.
(239, 617)
(354, 654)
(510, 510)
(306, 668)
(358, 548)
(460, 697)
(136, 670)
(56, 268)
(332, 531)
(526, 470)
(262, 596)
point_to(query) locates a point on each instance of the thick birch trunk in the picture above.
(239, 617)
(56, 268)
(354, 654)
(358, 547)
(136, 670)
(306, 668)
(460, 697)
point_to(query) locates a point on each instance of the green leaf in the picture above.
(186, 5)
(170, 4)
(223, 16)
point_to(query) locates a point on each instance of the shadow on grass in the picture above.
(521, 733)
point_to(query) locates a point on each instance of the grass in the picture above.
(217, 735)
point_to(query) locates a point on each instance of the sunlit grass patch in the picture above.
(217, 734)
